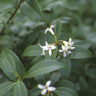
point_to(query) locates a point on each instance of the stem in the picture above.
(48, 93)
(17, 76)
(11, 17)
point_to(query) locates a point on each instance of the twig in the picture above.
(9, 20)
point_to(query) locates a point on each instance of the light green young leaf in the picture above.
(33, 50)
(44, 66)
(20, 89)
(6, 87)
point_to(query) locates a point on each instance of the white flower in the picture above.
(49, 47)
(67, 47)
(46, 88)
(50, 29)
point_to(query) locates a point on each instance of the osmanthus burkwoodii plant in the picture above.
(48, 73)
(50, 65)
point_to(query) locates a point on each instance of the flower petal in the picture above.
(51, 88)
(43, 53)
(72, 48)
(60, 50)
(50, 52)
(64, 54)
(52, 26)
(41, 86)
(48, 83)
(53, 47)
(43, 92)
(40, 45)
(46, 30)
(47, 44)
(52, 32)
(70, 39)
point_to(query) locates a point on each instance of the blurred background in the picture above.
(78, 19)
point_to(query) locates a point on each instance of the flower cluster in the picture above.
(66, 46)
(46, 88)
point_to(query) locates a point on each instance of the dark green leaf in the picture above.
(44, 66)
(20, 89)
(33, 50)
(80, 53)
(11, 64)
(5, 87)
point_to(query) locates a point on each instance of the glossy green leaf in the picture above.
(20, 89)
(58, 28)
(64, 91)
(11, 64)
(35, 6)
(91, 72)
(5, 87)
(80, 53)
(33, 50)
(28, 11)
(34, 92)
(44, 66)
(66, 83)
(65, 72)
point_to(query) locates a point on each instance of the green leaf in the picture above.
(28, 11)
(83, 84)
(66, 83)
(6, 87)
(58, 28)
(11, 65)
(33, 50)
(65, 72)
(36, 60)
(44, 66)
(16, 3)
(20, 89)
(55, 77)
(6, 42)
(91, 72)
(64, 91)
(34, 92)
(35, 6)
(80, 53)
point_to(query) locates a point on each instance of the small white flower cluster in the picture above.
(46, 88)
(49, 47)
(66, 46)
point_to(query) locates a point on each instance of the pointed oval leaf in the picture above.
(44, 66)
(11, 64)
(58, 28)
(35, 6)
(20, 89)
(5, 87)
(28, 11)
(80, 53)
(33, 50)
(64, 91)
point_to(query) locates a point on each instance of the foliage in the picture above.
(26, 59)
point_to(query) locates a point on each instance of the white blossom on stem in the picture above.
(49, 47)
(67, 47)
(46, 88)
(50, 29)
